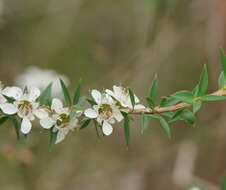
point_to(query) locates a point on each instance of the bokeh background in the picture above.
(106, 42)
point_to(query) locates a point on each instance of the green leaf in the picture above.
(203, 84)
(153, 91)
(126, 129)
(91, 101)
(163, 123)
(195, 91)
(169, 101)
(177, 116)
(185, 115)
(221, 81)
(67, 97)
(17, 125)
(188, 116)
(77, 94)
(25, 91)
(132, 97)
(3, 119)
(223, 61)
(72, 114)
(9, 99)
(184, 96)
(144, 122)
(168, 114)
(223, 184)
(81, 100)
(96, 128)
(213, 98)
(53, 137)
(197, 106)
(45, 97)
(150, 102)
(85, 123)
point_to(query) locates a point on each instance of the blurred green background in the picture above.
(107, 42)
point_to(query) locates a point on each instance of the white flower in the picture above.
(7, 108)
(194, 188)
(60, 120)
(105, 111)
(121, 94)
(34, 76)
(25, 105)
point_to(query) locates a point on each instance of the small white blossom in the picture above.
(194, 188)
(105, 111)
(25, 105)
(7, 108)
(34, 76)
(60, 120)
(121, 94)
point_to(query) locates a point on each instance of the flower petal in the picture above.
(118, 115)
(33, 93)
(90, 113)
(139, 106)
(2, 99)
(60, 137)
(26, 126)
(8, 108)
(13, 92)
(107, 128)
(47, 122)
(136, 99)
(109, 92)
(57, 105)
(40, 113)
(73, 123)
(96, 96)
(119, 91)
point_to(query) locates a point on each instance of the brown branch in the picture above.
(172, 108)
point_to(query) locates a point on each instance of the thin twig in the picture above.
(172, 108)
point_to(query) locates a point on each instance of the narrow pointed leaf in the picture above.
(197, 106)
(203, 84)
(126, 129)
(223, 184)
(163, 123)
(184, 96)
(189, 117)
(77, 94)
(177, 114)
(9, 99)
(91, 101)
(221, 81)
(53, 137)
(132, 98)
(169, 101)
(85, 123)
(96, 128)
(67, 97)
(223, 61)
(150, 102)
(17, 125)
(195, 91)
(45, 97)
(153, 91)
(165, 126)
(213, 98)
(144, 122)
(3, 119)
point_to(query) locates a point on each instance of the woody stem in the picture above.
(173, 108)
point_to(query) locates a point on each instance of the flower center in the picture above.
(25, 107)
(105, 111)
(63, 120)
